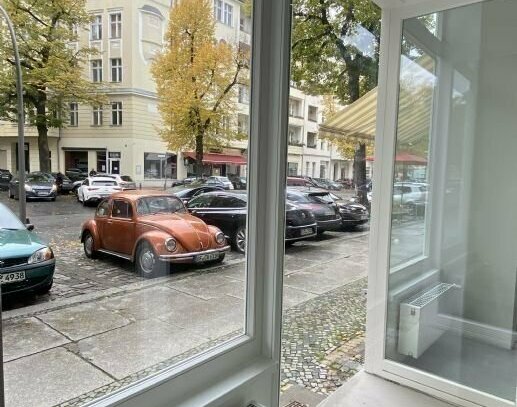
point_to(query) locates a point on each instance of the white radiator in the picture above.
(418, 325)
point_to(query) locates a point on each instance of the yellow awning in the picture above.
(357, 121)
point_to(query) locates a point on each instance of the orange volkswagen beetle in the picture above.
(151, 229)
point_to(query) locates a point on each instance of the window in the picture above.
(103, 209)
(228, 14)
(96, 70)
(204, 201)
(294, 134)
(159, 165)
(121, 209)
(292, 169)
(218, 10)
(311, 140)
(244, 96)
(313, 169)
(96, 28)
(74, 114)
(116, 113)
(97, 116)
(116, 69)
(294, 108)
(307, 168)
(243, 123)
(115, 25)
(313, 113)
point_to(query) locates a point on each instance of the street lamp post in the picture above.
(21, 119)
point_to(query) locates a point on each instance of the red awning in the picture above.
(406, 158)
(212, 158)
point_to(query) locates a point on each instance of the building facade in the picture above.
(121, 137)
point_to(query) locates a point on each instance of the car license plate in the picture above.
(306, 232)
(42, 193)
(13, 277)
(206, 257)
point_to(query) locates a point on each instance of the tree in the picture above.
(52, 69)
(330, 54)
(196, 79)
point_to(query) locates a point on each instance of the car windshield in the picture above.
(8, 220)
(39, 178)
(159, 204)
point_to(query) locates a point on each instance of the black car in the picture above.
(352, 214)
(76, 174)
(186, 193)
(37, 186)
(64, 184)
(5, 178)
(228, 212)
(326, 213)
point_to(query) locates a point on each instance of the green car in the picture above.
(26, 263)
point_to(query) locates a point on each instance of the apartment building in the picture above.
(121, 137)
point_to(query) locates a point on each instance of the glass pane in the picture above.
(152, 281)
(453, 281)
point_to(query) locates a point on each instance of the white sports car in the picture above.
(93, 189)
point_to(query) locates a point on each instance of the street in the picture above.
(111, 327)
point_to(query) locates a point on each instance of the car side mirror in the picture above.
(30, 227)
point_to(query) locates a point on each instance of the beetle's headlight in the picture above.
(170, 244)
(219, 238)
(41, 255)
(54, 188)
(28, 188)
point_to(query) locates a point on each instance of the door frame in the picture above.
(380, 228)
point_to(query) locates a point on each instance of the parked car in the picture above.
(26, 262)
(124, 181)
(76, 174)
(64, 184)
(238, 181)
(352, 213)
(94, 189)
(5, 178)
(412, 195)
(300, 182)
(157, 230)
(326, 213)
(228, 211)
(328, 184)
(186, 193)
(37, 186)
(217, 180)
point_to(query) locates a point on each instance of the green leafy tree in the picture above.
(53, 70)
(330, 54)
(196, 79)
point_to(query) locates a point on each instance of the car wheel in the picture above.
(147, 263)
(84, 202)
(88, 245)
(239, 239)
(45, 289)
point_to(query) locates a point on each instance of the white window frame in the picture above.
(218, 10)
(97, 116)
(116, 113)
(116, 70)
(96, 68)
(74, 114)
(248, 367)
(393, 16)
(96, 28)
(115, 27)
(228, 14)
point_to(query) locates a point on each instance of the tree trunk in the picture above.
(360, 173)
(199, 155)
(41, 125)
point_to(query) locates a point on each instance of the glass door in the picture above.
(452, 282)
